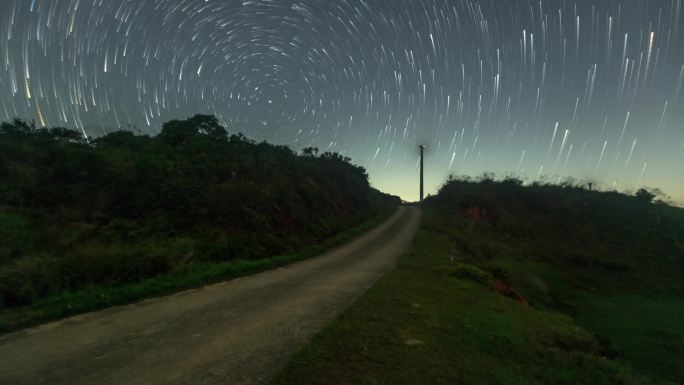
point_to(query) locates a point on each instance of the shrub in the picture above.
(472, 273)
(13, 236)
(26, 280)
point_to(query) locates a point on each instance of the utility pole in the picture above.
(422, 151)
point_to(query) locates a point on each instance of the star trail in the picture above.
(545, 89)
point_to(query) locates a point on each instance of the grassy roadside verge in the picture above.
(190, 276)
(437, 321)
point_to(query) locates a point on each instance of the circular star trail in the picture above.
(541, 89)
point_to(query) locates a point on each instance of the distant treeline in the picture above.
(125, 207)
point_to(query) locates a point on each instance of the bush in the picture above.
(502, 274)
(26, 280)
(472, 273)
(13, 236)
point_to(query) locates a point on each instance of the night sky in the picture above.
(590, 89)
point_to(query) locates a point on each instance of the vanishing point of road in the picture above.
(237, 332)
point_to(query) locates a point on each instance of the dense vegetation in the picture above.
(612, 261)
(604, 241)
(78, 214)
(513, 284)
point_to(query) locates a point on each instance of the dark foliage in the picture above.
(122, 208)
(629, 238)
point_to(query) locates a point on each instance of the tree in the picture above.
(208, 125)
(62, 134)
(335, 156)
(310, 151)
(17, 127)
(240, 138)
(117, 139)
(179, 132)
(644, 195)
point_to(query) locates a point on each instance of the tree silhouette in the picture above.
(645, 196)
(310, 151)
(180, 132)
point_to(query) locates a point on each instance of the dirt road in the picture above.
(238, 332)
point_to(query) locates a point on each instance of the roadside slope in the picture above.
(434, 321)
(239, 332)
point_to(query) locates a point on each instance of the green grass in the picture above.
(641, 326)
(189, 276)
(646, 330)
(437, 321)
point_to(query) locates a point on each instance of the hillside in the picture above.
(506, 283)
(611, 261)
(79, 217)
